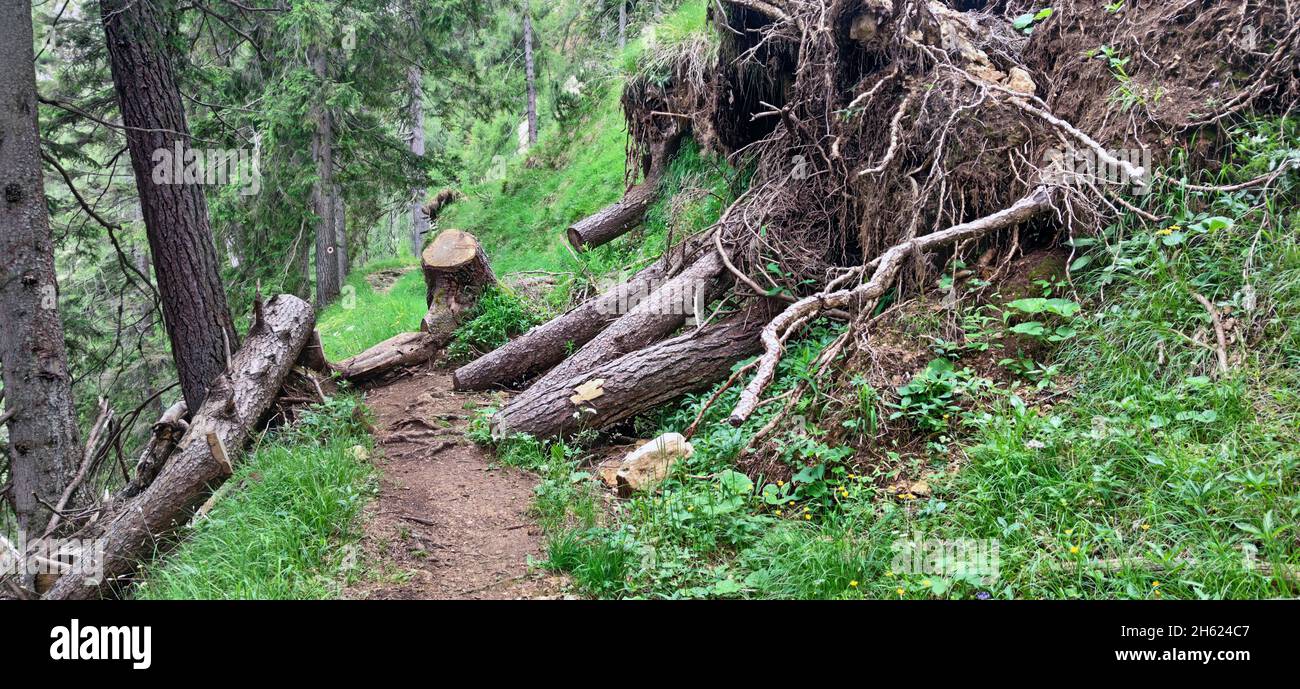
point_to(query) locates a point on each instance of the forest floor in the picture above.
(447, 522)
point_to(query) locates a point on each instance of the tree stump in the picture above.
(456, 271)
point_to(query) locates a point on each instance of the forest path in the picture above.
(447, 524)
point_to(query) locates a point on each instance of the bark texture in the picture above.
(407, 349)
(341, 234)
(236, 403)
(530, 73)
(415, 114)
(637, 382)
(546, 345)
(656, 317)
(175, 213)
(42, 429)
(322, 193)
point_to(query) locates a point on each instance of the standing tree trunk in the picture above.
(419, 224)
(37, 391)
(341, 233)
(175, 211)
(622, 24)
(322, 192)
(530, 73)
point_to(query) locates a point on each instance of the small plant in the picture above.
(499, 316)
(929, 400)
(1026, 22)
(1063, 310)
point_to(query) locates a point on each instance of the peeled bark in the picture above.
(407, 349)
(456, 270)
(37, 388)
(195, 311)
(549, 343)
(635, 383)
(656, 317)
(236, 403)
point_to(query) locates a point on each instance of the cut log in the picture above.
(407, 349)
(618, 218)
(653, 319)
(235, 402)
(456, 270)
(547, 344)
(637, 382)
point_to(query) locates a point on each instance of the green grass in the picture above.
(575, 170)
(361, 317)
(286, 532)
(1135, 470)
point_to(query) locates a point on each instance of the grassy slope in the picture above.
(1149, 477)
(280, 534)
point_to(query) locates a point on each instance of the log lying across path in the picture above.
(653, 319)
(235, 404)
(406, 349)
(546, 345)
(456, 271)
(637, 382)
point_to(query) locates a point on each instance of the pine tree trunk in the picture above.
(175, 211)
(322, 151)
(546, 345)
(530, 73)
(341, 233)
(635, 383)
(43, 429)
(135, 528)
(622, 24)
(419, 224)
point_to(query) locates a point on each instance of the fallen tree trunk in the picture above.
(406, 349)
(547, 344)
(618, 218)
(236, 401)
(656, 317)
(456, 271)
(637, 382)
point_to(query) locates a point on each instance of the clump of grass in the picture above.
(362, 318)
(498, 316)
(280, 533)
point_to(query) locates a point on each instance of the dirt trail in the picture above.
(447, 523)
